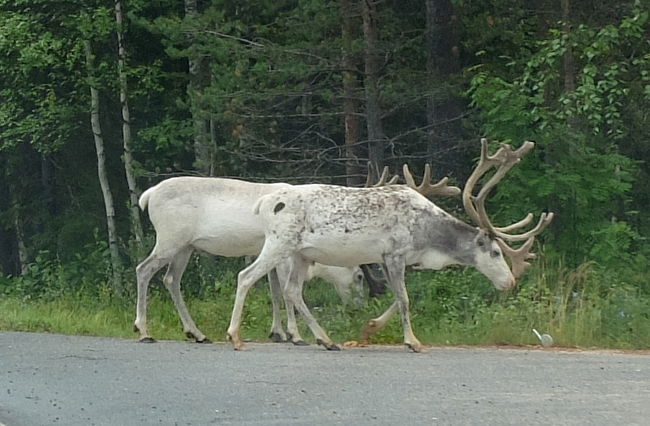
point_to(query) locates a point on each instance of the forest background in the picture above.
(100, 100)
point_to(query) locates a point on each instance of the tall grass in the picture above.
(582, 307)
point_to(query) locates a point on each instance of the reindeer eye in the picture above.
(496, 253)
(481, 243)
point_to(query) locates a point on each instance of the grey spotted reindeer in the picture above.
(393, 225)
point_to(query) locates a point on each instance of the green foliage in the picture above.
(581, 171)
(34, 81)
(47, 278)
(582, 307)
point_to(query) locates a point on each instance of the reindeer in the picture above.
(392, 225)
(215, 215)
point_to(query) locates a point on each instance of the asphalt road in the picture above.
(50, 379)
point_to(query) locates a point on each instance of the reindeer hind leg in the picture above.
(172, 281)
(144, 272)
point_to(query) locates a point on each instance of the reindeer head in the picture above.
(504, 159)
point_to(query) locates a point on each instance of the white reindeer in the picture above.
(392, 225)
(215, 215)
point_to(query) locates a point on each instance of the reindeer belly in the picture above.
(231, 241)
(343, 250)
(229, 246)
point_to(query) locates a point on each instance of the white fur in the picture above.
(393, 225)
(215, 215)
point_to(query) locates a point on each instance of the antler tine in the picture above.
(485, 163)
(408, 177)
(544, 220)
(523, 222)
(383, 178)
(518, 257)
(426, 188)
(503, 232)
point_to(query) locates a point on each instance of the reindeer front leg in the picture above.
(270, 256)
(245, 280)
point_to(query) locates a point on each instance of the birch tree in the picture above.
(129, 163)
(23, 257)
(116, 264)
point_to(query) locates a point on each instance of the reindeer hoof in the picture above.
(147, 340)
(192, 336)
(328, 346)
(298, 342)
(277, 337)
(416, 347)
(238, 345)
(369, 329)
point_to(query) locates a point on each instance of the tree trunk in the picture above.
(116, 264)
(430, 39)
(204, 151)
(5, 253)
(213, 125)
(443, 110)
(373, 61)
(23, 257)
(568, 60)
(349, 25)
(129, 164)
(47, 182)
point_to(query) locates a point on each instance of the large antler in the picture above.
(426, 188)
(505, 158)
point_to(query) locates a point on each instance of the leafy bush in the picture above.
(48, 278)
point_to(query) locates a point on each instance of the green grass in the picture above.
(578, 307)
(66, 316)
(84, 316)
